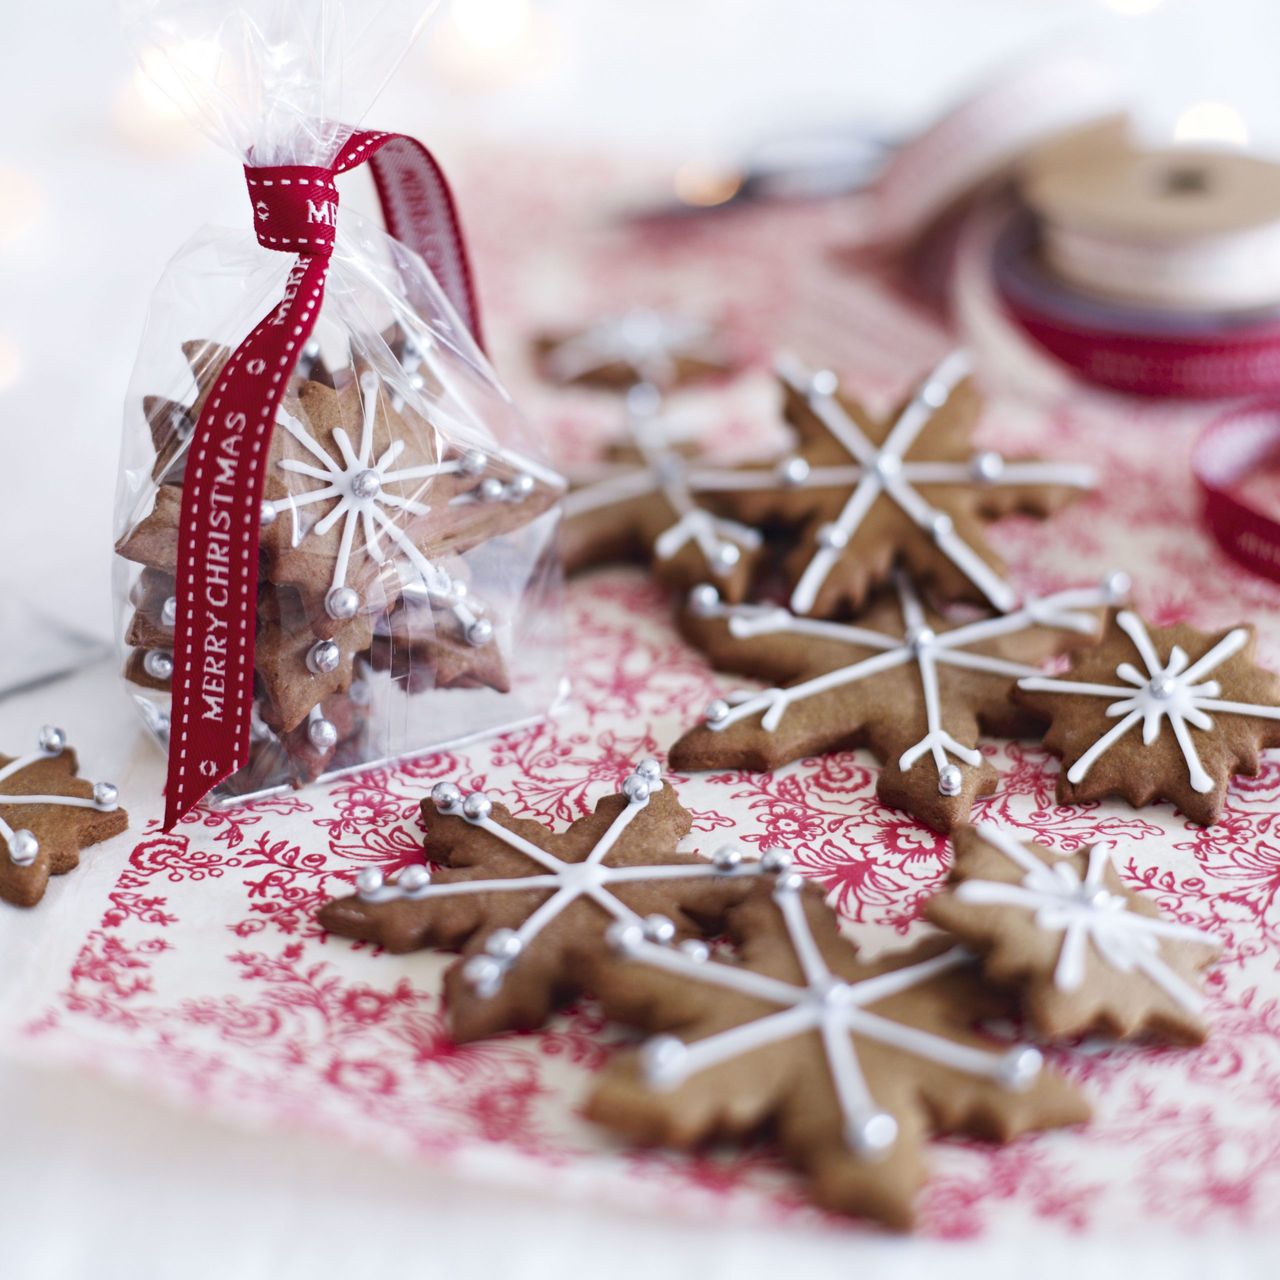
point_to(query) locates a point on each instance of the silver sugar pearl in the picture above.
(703, 599)
(446, 797)
(636, 789)
(267, 514)
(342, 603)
(650, 770)
(472, 463)
(624, 937)
(479, 632)
(51, 740)
(1020, 1067)
(366, 484)
(106, 795)
(793, 471)
(458, 590)
(169, 611)
(158, 664)
(888, 465)
(483, 974)
(323, 657)
(873, 1135)
(658, 928)
(322, 733)
(717, 711)
(789, 882)
(1116, 586)
(727, 555)
(950, 780)
(1163, 687)
(934, 394)
(774, 860)
(414, 879)
(492, 489)
(726, 858)
(696, 950)
(521, 486)
(369, 881)
(940, 524)
(920, 638)
(824, 383)
(832, 537)
(504, 944)
(662, 1059)
(23, 847)
(988, 465)
(476, 807)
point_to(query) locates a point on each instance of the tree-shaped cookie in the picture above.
(1158, 713)
(910, 489)
(47, 815)
(519, 900)
(853, 1064)
(641, 345)
(914, 689)
(1090, 954)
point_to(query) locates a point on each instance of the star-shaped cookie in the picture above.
(1158, 713)
(519, 900)
(914, 688)
(852, 1064)
(47, 815)
(1089, 954)
(909, 490)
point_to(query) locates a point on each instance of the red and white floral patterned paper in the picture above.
(201, 975)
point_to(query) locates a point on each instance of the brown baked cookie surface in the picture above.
(520, 902)
(867, 495)
(851, 1064)
(1089, 955)
(47, 815)
(1158, 713)
(914, 688)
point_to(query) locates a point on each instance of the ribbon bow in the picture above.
(295, 210)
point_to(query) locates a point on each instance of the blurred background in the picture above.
(100, 180)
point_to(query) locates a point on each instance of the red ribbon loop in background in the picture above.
(295, 210)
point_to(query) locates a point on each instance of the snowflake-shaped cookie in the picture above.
(1091, 955)
(853, 1064)
(47, 815)
(904, 682)
(1205, 711)
(519, 901)
(655, 503)
(641, 345)
(909, 490)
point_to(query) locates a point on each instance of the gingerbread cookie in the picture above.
(639, 345)
(518, 900)
(47, 815)
(655, 503)
(853, 1064)
(904, 682)
(1090, 954)
(1205, 711)
(910, 489)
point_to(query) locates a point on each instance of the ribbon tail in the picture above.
(217, 570)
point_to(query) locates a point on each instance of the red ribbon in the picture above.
(1233, 446)
(295, 211)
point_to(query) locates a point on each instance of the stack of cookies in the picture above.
(375, 496)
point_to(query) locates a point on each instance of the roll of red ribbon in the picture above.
(1234, 447)
(1145, 352)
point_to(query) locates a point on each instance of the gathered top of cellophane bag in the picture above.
(334, 531)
